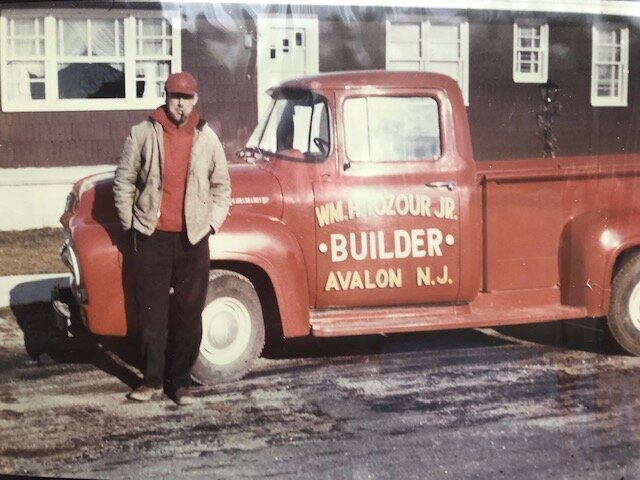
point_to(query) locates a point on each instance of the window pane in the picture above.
(525, 68)
(606, 72)
(320, 129)
(528, 62)
(608, 36)
(301, 127)
(103, 37)
(25, 27)
(24, 48)
(405, 32)
(356, 128)
(74, 37)
(155, 37)
(90, 80)
(297, 127)
(25, 37)
(529, 36)
(609, 54)
(526, 43)
(444, 33)
(529, 43)
(152, 47)
(150, 77)
(439, 51)
(387, 129)
(269, 140)
(25, 80)
(607, 85)
(404, 51)
(152, 27)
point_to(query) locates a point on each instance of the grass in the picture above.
(31, 251)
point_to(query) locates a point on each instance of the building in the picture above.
(74, 76)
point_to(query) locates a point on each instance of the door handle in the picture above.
(448, 185)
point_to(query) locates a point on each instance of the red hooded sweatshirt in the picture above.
(177, 150)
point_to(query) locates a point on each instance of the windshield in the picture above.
(296, 127)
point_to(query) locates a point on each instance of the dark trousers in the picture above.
(170, 325)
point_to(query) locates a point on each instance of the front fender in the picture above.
(270, 245)
(106, 277)
(589, 247)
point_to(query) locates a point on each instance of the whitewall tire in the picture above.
(232, 329)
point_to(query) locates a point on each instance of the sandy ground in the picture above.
(525, 402)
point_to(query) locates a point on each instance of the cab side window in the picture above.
(392, 129)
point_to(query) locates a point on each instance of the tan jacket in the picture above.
(138, 181)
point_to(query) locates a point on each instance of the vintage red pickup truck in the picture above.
(359, 209)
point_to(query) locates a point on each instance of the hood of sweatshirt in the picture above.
(160, 116)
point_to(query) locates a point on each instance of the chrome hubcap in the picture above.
(634, 307)
(226, 330)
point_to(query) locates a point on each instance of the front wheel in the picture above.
(232, 329)
(624, 309)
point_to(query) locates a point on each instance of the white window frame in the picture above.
(51, 58)
(541, 76)
(424, 41)
(622, 79)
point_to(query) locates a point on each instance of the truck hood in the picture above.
(254, 190)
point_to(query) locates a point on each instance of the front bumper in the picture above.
(67, 302)
(61, 311)
(69, 257)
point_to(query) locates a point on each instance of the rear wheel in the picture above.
(232, 329)
(624, 309)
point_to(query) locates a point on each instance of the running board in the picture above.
(366, 321)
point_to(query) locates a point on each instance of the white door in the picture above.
(287, 48)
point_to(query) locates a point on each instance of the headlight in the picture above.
(70, 203)
(69, 209)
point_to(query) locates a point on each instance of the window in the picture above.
(530, 52)
(295, 128)
(609, 66)
(433, 45)
(392, 129)
(56, 61)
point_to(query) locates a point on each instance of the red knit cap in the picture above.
(182, 82)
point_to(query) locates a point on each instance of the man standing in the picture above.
(171, 190)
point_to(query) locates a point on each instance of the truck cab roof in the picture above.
(380, 79)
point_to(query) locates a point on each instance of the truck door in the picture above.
(388, 221)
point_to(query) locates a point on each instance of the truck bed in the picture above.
(536, 213)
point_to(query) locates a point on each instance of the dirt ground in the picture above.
(524, 402)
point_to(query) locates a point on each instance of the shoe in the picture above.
(144, 393)
(182, 396)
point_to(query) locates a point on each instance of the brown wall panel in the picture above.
(501, 112)
(349, 43)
